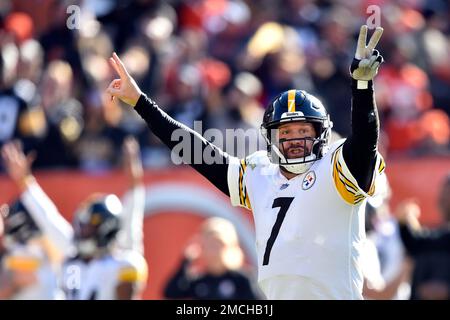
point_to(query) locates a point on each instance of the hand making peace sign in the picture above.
(367, 60)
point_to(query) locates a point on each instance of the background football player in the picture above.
(104, 246)
(28, 263)
(307, 196)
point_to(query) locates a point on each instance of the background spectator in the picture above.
(219, 274)
(430, 249)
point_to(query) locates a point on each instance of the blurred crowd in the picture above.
(218, 61)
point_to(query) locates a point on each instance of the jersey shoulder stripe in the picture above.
(24, 264)
(131, 274)
(346, 190)
(134, 268)
(381, 165)
(238, 176)
(243, 194)
(346, 184)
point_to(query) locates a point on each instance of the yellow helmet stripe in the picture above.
(291, 100)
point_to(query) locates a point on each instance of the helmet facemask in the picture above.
(314, 147)
(85, 239)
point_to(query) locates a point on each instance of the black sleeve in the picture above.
(179, 286)
(424, 240)
(164, 127)
(360, 148)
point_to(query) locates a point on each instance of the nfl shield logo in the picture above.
(309, 180)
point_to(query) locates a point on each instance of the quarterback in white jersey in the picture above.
(307, 196)
(311, 226)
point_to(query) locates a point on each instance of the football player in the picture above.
(307, 196)
(104, 246)
(27, 270)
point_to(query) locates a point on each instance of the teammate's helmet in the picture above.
(296, 105)
(19, 225)
(97, 223)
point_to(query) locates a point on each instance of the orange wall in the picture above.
(420, 179)
(166, 234)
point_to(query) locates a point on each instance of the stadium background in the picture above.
(219, 61)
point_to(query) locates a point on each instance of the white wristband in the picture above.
(362, 84)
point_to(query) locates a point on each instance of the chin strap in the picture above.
(297, 168)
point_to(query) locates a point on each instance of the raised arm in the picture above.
(170, 131)
(180, 285)
(131, 237)
(360, 148)
(41, 208)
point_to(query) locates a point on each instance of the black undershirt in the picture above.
(359, 149)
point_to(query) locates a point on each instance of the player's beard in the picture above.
(299, 149)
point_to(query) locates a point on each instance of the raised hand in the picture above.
(367, 59)
(193, 249)
(17, 164)
(132, 160)
(124, 88)
(408, 212)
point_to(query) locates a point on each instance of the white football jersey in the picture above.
(31, 259)
(311, 226)
(98, 279)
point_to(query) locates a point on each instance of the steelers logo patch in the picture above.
(309, 180)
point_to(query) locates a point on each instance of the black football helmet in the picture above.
(296, 105)
(97, 223)
(19, 224)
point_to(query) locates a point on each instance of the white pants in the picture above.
(294, 288)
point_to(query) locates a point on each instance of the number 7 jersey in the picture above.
(311, 225)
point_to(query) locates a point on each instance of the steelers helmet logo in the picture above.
(309, 180)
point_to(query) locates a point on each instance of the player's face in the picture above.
(84, 239)
(85, 231)
(296, 146)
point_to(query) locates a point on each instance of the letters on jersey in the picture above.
(98, 279)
